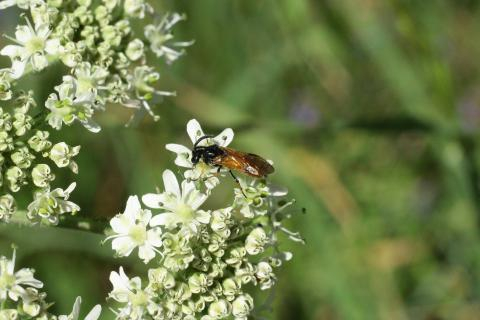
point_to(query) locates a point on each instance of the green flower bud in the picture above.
(5, 120)
(84, 3)
(5, 92)
(231, 287)
(256, 241)
(110, 4)
(198, 282)
(70, 55)
(55, 3)
(6, 142)
(135, 49)
(22, 123)
(62, 154)
(188, 308)
(265, 275)
(161, 278)
(41, 175)
(7, 207)
(242, 306)
(15, 177)
(181, 292)
(123, 26)
(39, 142)
(10, 314)
(90, 34)
(32, 309)
(22, 157)
(236, 256)
(84, 15)
(135, 8)
(246, 274)
(102, 15)
(219, 309)
(111, 35)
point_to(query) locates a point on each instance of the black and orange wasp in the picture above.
(231, 159)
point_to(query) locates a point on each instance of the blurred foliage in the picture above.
(370, 111)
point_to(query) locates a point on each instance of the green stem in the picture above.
(80, 223)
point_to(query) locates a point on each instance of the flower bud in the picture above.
(242, 306)
(42, 175)
(219, 309)
(256, 241)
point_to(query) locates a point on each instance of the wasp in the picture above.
(222, 157)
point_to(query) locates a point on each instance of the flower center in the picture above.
(185, 212)
(138, 234)
(139, 298)
(84, 84)
(35, 44)
(6, 281)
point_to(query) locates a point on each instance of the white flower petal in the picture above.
(123, 246)
(95, 313)
(202, 216)
(42, 31)
(154, 237)
(224, 138)
(7, 3)
(198, 200)
(119, 224)
(91, 125)
(39, 61)
(183, 154)
(160, 219)
(18, 67)
(152, 200)
(24, 34)
(171, 184)
(52, 46)
(177, 148)
(11, 51)
(146, 253)
(76, 308)
(194, 130)
(121, 289)
(133, 208)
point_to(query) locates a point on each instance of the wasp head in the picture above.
(196, 155)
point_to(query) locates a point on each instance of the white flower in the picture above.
(12, 283)
(131, 232)
(159, 36)
(50, 204)
(181, 205)
(129, 291)
(89, 78)
(200, 171)
(94, 314)
(69, 106)
(32, 46)
(141, 84)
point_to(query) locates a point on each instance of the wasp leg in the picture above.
(238, 182)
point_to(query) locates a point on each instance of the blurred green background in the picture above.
(370, 111)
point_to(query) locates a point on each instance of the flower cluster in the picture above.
(20, 297)
(28, 156)
(203, 261)
(106, 62)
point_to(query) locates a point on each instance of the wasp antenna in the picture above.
(203, 138)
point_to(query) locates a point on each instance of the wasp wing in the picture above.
(248, 163)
